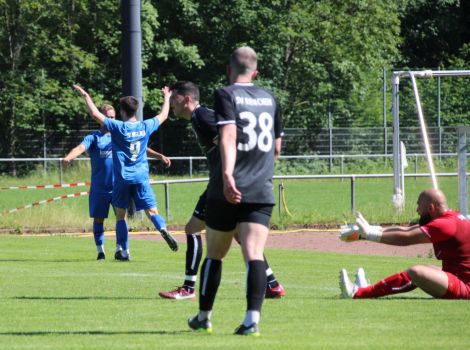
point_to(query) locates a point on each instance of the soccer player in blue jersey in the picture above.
(98, 146)
(131, 173)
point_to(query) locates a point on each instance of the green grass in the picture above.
(309, 201)
(54, 295)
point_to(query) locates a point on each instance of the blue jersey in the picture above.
(129, 140)
(98, 145)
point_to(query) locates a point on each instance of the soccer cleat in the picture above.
(169, 239)
(204, 326)
(348, 289)
(101, 256)
(251, 331)
(179, 293)
(275, 292)
(361, 280)
(118, 256)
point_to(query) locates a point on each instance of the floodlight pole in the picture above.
(131, 51)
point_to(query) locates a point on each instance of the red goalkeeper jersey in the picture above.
(450, 236)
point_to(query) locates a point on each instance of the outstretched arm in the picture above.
(166, 105)
(92, 109)
(74, 153)
(154, 154)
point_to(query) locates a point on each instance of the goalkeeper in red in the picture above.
(446, 229)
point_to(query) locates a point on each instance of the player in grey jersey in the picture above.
(240, 194)
(185, 104)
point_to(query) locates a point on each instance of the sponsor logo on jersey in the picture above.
(136, 133)
(249, 101)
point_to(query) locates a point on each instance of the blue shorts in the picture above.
(141, 193)
(98, 204)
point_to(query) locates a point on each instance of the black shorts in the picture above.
(200, 209)
(224, 216)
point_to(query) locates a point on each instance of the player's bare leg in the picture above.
(430, 279)
(274, 289)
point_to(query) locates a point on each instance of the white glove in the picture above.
(367, 231)
(350, 233)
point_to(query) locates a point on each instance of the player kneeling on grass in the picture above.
(446, 229)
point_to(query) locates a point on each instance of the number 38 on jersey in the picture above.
(264, 139)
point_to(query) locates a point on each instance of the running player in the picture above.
(185, 104)
(131, 173)
(240, 192)
(98, 146)
(447, 230)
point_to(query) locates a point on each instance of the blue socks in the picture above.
(158, 221)
(98, 233)
(122, 234)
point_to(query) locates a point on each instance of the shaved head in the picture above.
(433, 196)
(243, 60)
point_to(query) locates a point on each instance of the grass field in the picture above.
(54, 295)
(309, 201)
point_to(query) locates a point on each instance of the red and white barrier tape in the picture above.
(77, 184)
(45, 201)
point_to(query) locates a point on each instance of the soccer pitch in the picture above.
(54, 295)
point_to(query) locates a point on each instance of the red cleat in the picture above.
(179, 293)
(276, 292)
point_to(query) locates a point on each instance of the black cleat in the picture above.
(251, 331)
(169, 239)
(118, 256)
(204, 326)
(101, 256)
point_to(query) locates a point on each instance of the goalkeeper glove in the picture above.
(369, 232)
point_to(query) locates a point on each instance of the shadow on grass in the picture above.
(112, 333)
(82, 298)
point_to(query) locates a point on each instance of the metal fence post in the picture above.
(167, 200)
(353, 194)
(462, 170)
(342, 166)
(190, 166)
(61, 176)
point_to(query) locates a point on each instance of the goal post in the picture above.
(398, 170)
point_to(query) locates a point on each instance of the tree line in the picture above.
(319, 57)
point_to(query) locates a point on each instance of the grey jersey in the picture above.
(258, 119)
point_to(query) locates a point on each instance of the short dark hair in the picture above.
(129, 104)
(186, 88)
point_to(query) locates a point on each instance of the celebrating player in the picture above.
(131, 173)
(240, 193)
(446, 229)
(98, 145)
(185, 104)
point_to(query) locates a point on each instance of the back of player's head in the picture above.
(106, 107)
(129, 104)
(186, 88)
(243, 60)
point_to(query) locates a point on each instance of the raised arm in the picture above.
(403, 236)
(166, 105)
(74, 153)
(154, 154)
(92, 109)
